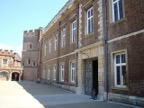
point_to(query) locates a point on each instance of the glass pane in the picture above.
(121, 9)
(115, 12)
(88, 14)
(124, 75)
(117, 59)
(91, 12)
(88, 26)
(92, 24)
(123, 58)
(118, 75)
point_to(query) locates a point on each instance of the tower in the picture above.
(30, 53)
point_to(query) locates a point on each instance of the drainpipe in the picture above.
(105, 33)
(77, 45)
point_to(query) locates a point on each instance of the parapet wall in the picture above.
(6, 52)
(33, 32)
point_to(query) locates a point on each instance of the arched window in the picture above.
(28, 61)
(30, 46)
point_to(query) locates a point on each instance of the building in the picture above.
(93, 46)
(30, 54)
(125, 31)
(10, 66)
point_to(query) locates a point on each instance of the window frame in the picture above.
(63, 37)
(91, 18)
(45, 48)
(48, 73)
(62, 71)
(72, 71)
(56, 42)
(118, 10)
(43, 73)
(54, 72)
(50, 46)
(73, 31)
(6, 62)
(28, 61)
(30, 46)
(121, 85)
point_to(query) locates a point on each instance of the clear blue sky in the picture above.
(19, 15)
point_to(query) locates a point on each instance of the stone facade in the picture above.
(10, 66)
(30, 54)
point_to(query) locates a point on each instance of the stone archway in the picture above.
(15, 76)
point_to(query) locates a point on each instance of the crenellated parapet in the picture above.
(6, 52)
(34, 32)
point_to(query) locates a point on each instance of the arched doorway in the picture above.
(4, 76)
(15, 76)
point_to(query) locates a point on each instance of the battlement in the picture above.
(34, 32)
(6, 52)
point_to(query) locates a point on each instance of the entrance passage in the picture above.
(91, 77)
(15, 76)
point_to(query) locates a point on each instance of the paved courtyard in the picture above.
(27, 94)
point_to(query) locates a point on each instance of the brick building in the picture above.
(10, 66)
(93, 46)
(125, 31)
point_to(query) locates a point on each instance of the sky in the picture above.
(17, 16)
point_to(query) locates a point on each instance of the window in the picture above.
(54, 72)
(5, 62)
(34, 64)
(43, 75)
(28, 62)
(90, 26)
(30, 47)
(15, 63)
(120, 70)
(45, 50)
(63, 43)
(56, 42)
(62, 72)
(48, 74)
(74, 31)
(117, 10)
(72, 70)
(50, 46)
(3, 74)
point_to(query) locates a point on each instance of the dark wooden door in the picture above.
(88, 77)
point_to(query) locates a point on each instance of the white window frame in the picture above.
(115, 71)
(54, 72)
(50, 46)
(48, 73)
(113, 13)
(91, 19)
(62, 72)
(63, 38)
(43, 75)
(74, 31)
(56, 42)
(72, 72)
(6, 62)
(45, 49)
